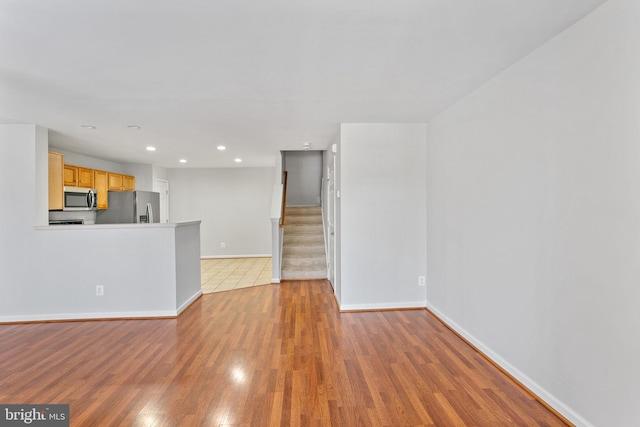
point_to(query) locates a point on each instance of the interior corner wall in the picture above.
(382, 215)
(234, 205)
(143, 173)
(534, 218)
(304, 177)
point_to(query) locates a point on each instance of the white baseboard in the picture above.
(534, 387)
(61, 317)
(275, 280)
(87, 316)
(235, 256)
(383, 306)
(189, 301)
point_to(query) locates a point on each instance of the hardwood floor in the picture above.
(274, 355)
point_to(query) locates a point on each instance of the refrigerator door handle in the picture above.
(149, 213)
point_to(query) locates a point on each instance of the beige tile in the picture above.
(226, 274)
(226, 287)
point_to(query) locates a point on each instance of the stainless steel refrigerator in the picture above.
(127, 207)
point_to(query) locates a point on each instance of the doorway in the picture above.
(162, 187)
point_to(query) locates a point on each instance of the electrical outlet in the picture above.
(99, 290)
(222, 245)
(422, 281)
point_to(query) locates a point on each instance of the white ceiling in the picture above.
(258, 76)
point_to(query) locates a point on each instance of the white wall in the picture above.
(159, 172)
(383, 208)
(304, 177)
(234, 205)
(143, 173)
(534, 218)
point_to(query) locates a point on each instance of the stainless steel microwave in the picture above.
(80, 199)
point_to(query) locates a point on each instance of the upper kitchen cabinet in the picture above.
(128, 182)
(56, 165)
(115, 181)
(118, 182)
(85, 177)
(101, 182)
(77, 176)
(70, 176)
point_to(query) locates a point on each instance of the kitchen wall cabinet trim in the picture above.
(101, 182)
(56, 179)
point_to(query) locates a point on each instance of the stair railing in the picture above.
(283, 219)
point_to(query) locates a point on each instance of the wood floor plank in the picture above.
(275, 355)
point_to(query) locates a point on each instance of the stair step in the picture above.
(304, 274)
(316, 262)
(303, 229)
(307, 250)
(303, 210)
(305, 239)
(304, 219)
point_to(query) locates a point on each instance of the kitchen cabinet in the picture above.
(128, 182)
(115, 181)
(77, 176)
(70, 176)
(61, 175)
(119, 182)
(85, 177)
(101, 182)
(56, 179)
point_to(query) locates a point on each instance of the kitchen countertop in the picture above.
(115, 226)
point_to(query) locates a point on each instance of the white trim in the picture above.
(275, 280)
(88, 316)
(189, 301)
(234, 256)
(276, 201)
(98, 316)
(384, 306)
(534, 387)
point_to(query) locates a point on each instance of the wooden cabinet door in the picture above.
(56, 178)
(101, 182)
(85, 177)
(128, 183)
(70, 176)
(115, 181)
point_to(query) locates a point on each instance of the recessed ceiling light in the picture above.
(238, 160)
(133, 127)
(183, 161)
(221, 147)
(88, 126)
(150, 148)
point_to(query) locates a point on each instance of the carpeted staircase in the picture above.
(303, 255)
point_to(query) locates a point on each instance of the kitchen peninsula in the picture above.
(52, 272)
(144, 270)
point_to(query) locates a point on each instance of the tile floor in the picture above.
(225, 274)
